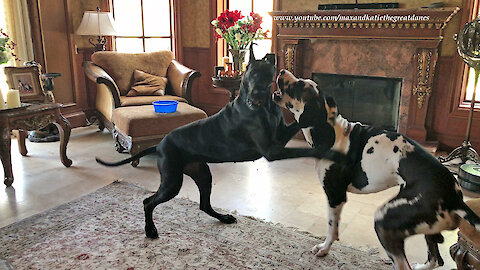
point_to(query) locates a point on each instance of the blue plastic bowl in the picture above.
(165, 106)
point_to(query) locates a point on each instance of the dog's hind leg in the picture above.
(434, 256)
(394, 245)
(332, 235)
(392, 225)
(171, 182)
(200, 173)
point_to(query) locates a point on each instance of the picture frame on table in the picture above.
(27, 81)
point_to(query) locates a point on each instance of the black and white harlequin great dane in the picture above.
(429, 200)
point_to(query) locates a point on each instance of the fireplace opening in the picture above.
(370, 100)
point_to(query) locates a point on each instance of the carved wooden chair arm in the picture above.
(180, 79)
(100, 76)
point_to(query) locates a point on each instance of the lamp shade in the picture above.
(95, 23)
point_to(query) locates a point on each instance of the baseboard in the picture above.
(76, 119)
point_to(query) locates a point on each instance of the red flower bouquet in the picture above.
(238, 30)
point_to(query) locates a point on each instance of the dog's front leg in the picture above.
(332, 231)
(286, 133)
(279, 152)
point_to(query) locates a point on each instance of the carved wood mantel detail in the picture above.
(408, 49)
(425, 60)
(290, 56)
(293, 54)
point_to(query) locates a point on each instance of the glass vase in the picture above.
(238, 58)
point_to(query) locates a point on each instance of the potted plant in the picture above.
(7, 47)
(238, 31)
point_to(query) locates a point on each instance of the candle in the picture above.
(244, 66)
(13, 98)
(225, 60)
(2, 102)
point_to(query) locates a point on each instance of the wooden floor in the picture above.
(287, 191)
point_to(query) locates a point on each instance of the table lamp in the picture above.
(96, 23)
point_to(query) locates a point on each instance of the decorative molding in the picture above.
(362, 25)
(290, 57)
(33, 123)
(397, 24)
(425, 63)
(122, 141)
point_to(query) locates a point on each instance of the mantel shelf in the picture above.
(334, 24)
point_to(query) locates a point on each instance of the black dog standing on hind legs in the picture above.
(250, 127)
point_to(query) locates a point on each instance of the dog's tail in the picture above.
(145, 152)
(467, 213)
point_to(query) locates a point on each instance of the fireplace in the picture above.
(369, 100)
(313, 44)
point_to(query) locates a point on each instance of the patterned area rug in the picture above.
(104, 230)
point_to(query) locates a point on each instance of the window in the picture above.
(261, 7)
(143, 25)
(470, 85)
(3, 78)
(471, 78)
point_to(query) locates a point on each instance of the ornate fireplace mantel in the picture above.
(397, 24)
(353, 42)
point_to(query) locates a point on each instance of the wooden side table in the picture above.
(466, 252)
(231, 84)
(23, 119)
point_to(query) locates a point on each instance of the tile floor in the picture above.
(286, 192)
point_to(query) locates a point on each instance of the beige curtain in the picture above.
(18, 28)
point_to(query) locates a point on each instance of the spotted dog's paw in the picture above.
(424, 266)
(320, 250)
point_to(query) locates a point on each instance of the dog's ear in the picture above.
(251, 58)
(312, 82)
(308, 116)
(306, 119)
(270, 57)
(331, 108)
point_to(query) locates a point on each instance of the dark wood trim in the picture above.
(276, 6)
(76, 119)
(213, 42)
(469, 9)
(177, 28)
(105, 6)
(36, 32)
(143, 24)
(71, 46)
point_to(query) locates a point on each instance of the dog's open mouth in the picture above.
(252, 103)
(277, 96)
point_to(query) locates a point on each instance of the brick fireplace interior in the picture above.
(370, 100)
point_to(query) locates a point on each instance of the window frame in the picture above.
(174, 13)
(463, 102)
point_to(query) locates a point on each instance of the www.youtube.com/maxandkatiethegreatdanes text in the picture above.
(354, 18)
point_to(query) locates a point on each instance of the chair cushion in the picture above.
(141, 121)
(467, 230)
(120, 66)
(145, 84)
(146, 100)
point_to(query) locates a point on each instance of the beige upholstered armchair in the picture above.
(114, 74)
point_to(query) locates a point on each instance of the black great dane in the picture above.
(250, 127)
(429, 200)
